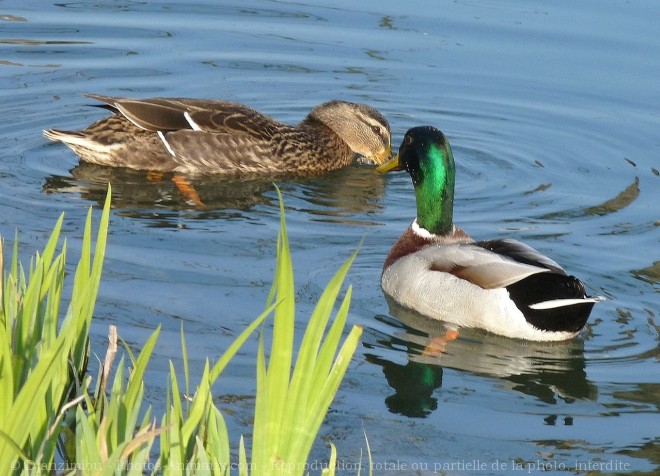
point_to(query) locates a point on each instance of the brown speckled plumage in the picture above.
(222, 137)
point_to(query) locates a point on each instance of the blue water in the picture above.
(552, 110)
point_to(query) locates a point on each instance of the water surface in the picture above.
(552, 112)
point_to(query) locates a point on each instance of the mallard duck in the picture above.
(222, 137)
(500, 285)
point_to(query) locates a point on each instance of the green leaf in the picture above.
(217, 441)
(237, 343)
(331, 385)
(32, 396)
(198, 410)
(332, 464)
(184, 354)
(281, 352)
(242, 460)
(260, 454)
(176, 411)
(311, 365)
(87, 453)
(201, 460)
(136, 380)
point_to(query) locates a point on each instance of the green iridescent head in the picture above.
(426, 155)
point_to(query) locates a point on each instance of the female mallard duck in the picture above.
(221, 137)
(500, 285)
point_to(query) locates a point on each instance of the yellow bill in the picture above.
(382, 157)
(390, 165)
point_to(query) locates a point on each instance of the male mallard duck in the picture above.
(500, 285)
(221, 137)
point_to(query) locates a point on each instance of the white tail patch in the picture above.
(79, 141)
(192, 123)
(167, 144)
(555, 303)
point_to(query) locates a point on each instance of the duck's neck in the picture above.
(328, 149)
(435, 194)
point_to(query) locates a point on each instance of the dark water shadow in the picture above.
(549, 371)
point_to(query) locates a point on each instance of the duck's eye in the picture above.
(376, 129)
(408, 140)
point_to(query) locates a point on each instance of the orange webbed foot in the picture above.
(438, 345)
(188, 191)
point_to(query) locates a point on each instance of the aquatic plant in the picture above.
(41, 368)
(48, 404)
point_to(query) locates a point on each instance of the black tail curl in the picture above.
(546, 287)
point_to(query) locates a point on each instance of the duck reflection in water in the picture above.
(337, 196)
(414, 384)
(549, 372)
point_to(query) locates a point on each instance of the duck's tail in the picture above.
(556, 303)
(58, 135)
